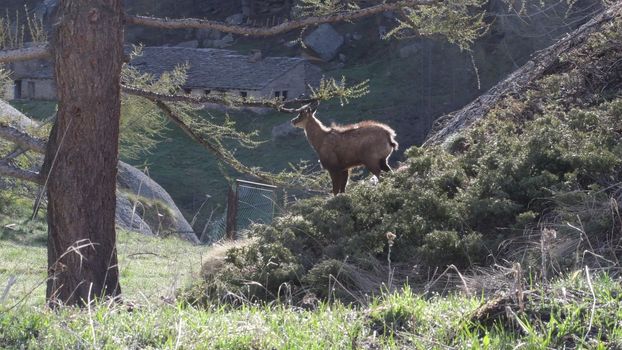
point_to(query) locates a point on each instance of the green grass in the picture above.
(575, 311)
(150, 267)
(554, 317)
(38, 110)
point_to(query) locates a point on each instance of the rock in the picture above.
(325, 41)
(192, 44)
(11, 116)
(410, 50)
(236, 19)
(285, 130)
(357, 36)
(131, 184)
(135, 181)
(127, 216)
(342, 57)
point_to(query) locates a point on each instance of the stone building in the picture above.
(214, 71)
(32, 80)
(210, 71)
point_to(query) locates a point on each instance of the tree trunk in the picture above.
(82, 153)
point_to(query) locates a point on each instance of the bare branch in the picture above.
(166, 23)
(275, 104)
(25, 54)
(9, 170)
(22, 139)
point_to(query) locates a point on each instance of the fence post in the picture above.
(232, 213)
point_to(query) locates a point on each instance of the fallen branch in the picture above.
(22, 139)
(518, 81)
(10, 170)
(167, 23)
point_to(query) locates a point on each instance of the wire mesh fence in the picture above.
(248, 203)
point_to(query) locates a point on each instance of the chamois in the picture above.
(341, 148)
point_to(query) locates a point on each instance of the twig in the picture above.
(10, 283)
(589, 283)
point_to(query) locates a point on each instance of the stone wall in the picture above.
(292, 83)
(31, 89)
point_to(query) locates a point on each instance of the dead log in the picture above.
(516, 83)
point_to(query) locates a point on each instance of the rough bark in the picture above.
(166, 23)
(82, 152)
(518, 81)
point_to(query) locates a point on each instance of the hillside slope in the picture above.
(535, 181)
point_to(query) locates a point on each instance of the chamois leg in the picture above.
(374, 169)
(385, 166)
(335, 177)
(344, 181)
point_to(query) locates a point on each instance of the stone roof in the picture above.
(215, 68)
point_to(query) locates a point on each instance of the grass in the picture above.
(555, 316)
(151, 268)
(579, 310)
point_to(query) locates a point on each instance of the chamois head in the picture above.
(305, 113)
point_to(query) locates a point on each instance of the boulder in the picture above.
(225, 41)
(132, 186)
(325, 41)
(15, 118)
(127, 217)
(208, 34)
(134, 181)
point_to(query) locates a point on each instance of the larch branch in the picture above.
(172, 116)
(25, 54)
(167, 23)
(274, 104)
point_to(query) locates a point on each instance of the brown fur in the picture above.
(343, 147)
